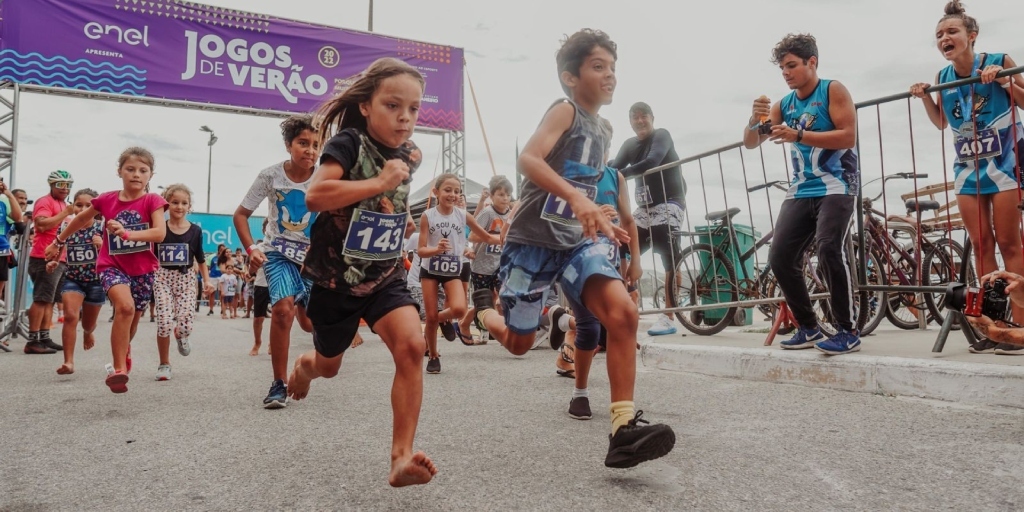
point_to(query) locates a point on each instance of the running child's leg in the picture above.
(300, 315)
(163, 297)
(282, 315)
(184, 288)
(400, 331)
(309, 366)
(430, 287)
(90, 315)
(72, 301)
(526, 275)
(455, 294)
(120, 296)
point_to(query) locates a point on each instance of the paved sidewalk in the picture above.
(892, 361)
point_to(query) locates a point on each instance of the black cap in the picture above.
(641, 107)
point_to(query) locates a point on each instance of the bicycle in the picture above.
(943, 262)
(706, 276)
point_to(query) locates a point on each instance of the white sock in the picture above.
(669, 318)
(563, 323)
(580, 393)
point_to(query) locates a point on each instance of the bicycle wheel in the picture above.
(876, 305)
(942, 265)
(823, 307)
(705, 276)
(768, 287)
(904, 309)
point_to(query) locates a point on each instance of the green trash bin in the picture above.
(745, 236)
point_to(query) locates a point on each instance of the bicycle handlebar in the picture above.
(755, 188)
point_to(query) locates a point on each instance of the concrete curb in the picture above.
(973, 383)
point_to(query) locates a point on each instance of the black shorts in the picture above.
(335, 316)
(260, 301)
(485, 281)
(665, 244)
(5, 268)
(441, 280)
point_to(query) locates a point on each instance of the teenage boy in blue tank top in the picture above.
(819, 121)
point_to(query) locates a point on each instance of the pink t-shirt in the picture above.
(46, 206)
(131, 257)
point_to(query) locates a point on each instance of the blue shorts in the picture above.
(528, 272)
(283, 279)
(93, 291)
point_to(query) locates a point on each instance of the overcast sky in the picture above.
(698, 64)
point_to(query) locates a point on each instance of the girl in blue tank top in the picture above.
(988, 140)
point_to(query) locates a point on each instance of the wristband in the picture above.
(57, 242)
(799, 134)
(1007, 84)
(251, 248)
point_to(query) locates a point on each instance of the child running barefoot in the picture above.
(82, 289)
(559, 233)
(175, 285)
(126, 263)
(442, 242)
(354, 261)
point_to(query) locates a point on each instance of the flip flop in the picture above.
(463, 337)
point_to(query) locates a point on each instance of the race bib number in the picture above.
(494, 249)
(557, 210)
(643, 195)
(986, 145)
(295, 251)
(173, 255)
(120, 246)
(375, 236)
(81, 254)
(445, 265)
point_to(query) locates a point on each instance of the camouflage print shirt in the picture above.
(362, 158)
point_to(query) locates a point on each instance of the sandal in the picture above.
(565, 358)
(463, 337)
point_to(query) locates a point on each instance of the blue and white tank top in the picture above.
(991, 133)
(818, 172)
(441, 226)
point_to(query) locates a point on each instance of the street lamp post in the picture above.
(209, 165)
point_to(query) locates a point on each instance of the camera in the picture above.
(990, 301)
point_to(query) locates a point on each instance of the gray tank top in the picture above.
(543, 219)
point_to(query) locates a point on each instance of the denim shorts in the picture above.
(528, 272)
(92, 290)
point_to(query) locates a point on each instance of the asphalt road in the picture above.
(495, 425)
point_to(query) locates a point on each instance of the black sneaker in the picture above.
(579, 408)
(983, 346)
(434, 365)
(35, 347)
(277, 398)
(557, 335)
(50, 344)
(633, 444)
(448, 330)
(1006, 349)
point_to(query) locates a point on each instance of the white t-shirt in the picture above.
(412, 280)
(451, 226)
(261, 278)
(287, 216)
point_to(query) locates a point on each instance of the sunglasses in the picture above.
(63, 185)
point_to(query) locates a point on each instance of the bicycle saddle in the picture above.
(913, 205)
(722, 215)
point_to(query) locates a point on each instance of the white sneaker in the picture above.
(163, 372)
(543, 333)
(183, 347)
(662, 327)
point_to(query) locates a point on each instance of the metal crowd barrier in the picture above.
(705, 184)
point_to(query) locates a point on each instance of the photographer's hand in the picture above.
(1014, 284)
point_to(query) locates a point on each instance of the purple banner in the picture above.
(187, 51)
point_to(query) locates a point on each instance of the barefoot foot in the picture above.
(66, 369)
(255, 350)
(88, 340)
(414, 470)
(298, 380)
(357, 340)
